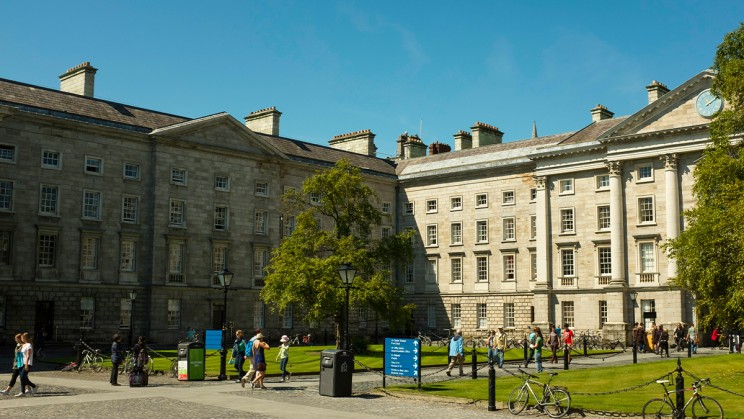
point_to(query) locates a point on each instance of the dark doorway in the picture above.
(44, 322)
(217, 316)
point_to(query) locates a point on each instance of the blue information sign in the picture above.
(213, 340)
(402, 357)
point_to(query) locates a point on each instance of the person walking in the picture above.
(17, 365)
(116, 358)
(491, 346)
(679, 336)
(248, 357)
(456, 353)
(537, 348)
(283, 358)
(531, 354)
(663, 341)
(238, 353)
(259, 361)
(27, 350)
(500, 345)
(554, 341)
(692, 338)
(568, 340)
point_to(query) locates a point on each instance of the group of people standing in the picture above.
(253, 351)
(23, 360)
(656, 339)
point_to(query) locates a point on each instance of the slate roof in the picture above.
(592, 131)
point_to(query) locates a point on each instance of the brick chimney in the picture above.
(655, 91)
(79, 80)
(436, 148)
(484, 134)
(600, 113)
(265, 121)
(360, 142)
(463, 140)
(410, 146)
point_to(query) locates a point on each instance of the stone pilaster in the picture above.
(617, 219)
(671, 195)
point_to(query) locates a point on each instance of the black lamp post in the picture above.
(225, 277)
(347, 273)
(132, 297)
(633, 298)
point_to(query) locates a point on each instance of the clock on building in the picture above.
(708, 104)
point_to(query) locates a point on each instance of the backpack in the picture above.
(236, 349)
(249, 349)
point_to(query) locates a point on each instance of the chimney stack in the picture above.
(265, 121)
(410, 146)
(655, 91)
(79, 80)
(437, 148)
(360, 142)
(600, 113)
(463, 140)
(484, 134)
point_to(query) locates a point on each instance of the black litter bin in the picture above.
(190, 361)
(336, 370)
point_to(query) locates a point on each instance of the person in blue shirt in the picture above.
(456, 353)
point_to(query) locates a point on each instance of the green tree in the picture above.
(710, 251)
(303, 271)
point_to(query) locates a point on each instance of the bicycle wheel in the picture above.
(518, 400)
(174, 368)
(657, 408)
(97, 364)
(150, 365)
(706, 407)
(558, 403)
(128, 366)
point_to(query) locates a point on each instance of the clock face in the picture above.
(708, 104)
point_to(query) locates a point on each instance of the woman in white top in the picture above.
(28, 360)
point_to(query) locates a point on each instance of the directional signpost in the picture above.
(402, 358)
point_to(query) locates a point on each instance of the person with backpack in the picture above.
(531, 341)
(238, 353)
(554, 340)
(536, 348)
(248, 357)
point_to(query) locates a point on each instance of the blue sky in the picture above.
(331, 67)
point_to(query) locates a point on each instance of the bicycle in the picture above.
(129, 362)
(425, 340)
(555, 401)
(91, 359)
(702, 406)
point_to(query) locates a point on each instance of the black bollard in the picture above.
(635, 353)
(680, 391)
(565, 357)
(79, 359)
(689, 349)
(526, 345)
(584, 345)
(491, 387)
(474, 373)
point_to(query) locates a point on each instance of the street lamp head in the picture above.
(225, 277)
(633, 295)
(347, 273)
(132, 295)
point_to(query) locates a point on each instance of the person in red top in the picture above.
(568, 336)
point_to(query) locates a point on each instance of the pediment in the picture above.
(220, 130)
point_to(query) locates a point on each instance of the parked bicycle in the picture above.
(702, 406)
(129, 362)
(425, 340)
(92, 360)
(301, 339)
(555, 401)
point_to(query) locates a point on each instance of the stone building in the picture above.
(99, 198)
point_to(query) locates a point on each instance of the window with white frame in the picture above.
(261, 225)
(456, 203)
(603, 316)
(262, 188)
(49, 200)
(565, 187)
(177, 216)
(567, 313)
(259, 315)
(568, 263)
(87, 312)
(178, 176)
(481, 200)
(220, 217)
(510, 267)
(482, 310)
(431, 206)
(533, 194)
(646, 210)
(6, 247)
(602, 182)
(363, 314)
(315, 198)
(648, 306)
(6, 195)
(51, 159)
(533, 227)
(222, 183)
(603, 217)
(290, 224)
(456, 314)
(7, 153)
(409, 273)
(645, 173)
(174, 314)
(510, 229)
(260, 261)
(93, 165)
(91, 205)
(456, 271)
(456, 233)
(47, 249)
(129, 208)
(89, 253)
(481, 231)
(287, 317)
(408, 208)
(128, 256)
(647, 253)
(431, 271)
(509, 315)
(431, 313)
(431, 235)
(176, 262)
(481, 268)
(604, 260)
(219, 252)
(508, 198)
(386, 207)
(386, 232)
(131, 171)
(567, 220)
(533, 266)
(125, 313)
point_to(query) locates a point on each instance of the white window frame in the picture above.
(221, 217)
(408, 272)
(409, 208)
(603, 220)
(222, 183)
(287, 317)
(456, 315)
(645, 173)
(647, 261)
(456, 270)
(262, 188)
(431, 313)
(602, 182)
(261, 222)
(533, 194)
(568, 262)
(87, 312)
(179, 176)
(432, 237)
(568, 220)
(290, 224)
(432, 270)
(47, 247)
(8, 153)
(129, 209)
(568, 313)
(176, 261)
(259, 315)
(604, 261)
(174, 314)
(481, 268)
(92, 201)
(93, 165)
(508, 197)
(49, 206)
(6, 249)
(386, 207)
(481, 310)
(643, 202)
(432, 206)
(130, 171)
(603, 313)
(51, 159)
(128, 255)
(456, 203)
(481, 231)
(533, 266)
(509, 315)
(566, 186)
(509, 229)
(315, 198)
(456, 233)
(386, 232)
(510, 266)
(481, 200)
(125, 313)
(260, 262)
(533, 227)
(177, 213)
(7, 195)
(219, 253)
(89, 249)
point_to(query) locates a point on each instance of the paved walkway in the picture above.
(88, 395)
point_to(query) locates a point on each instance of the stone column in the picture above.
(671, 194)
(543, 233)
(617, 223)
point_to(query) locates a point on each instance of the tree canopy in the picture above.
(710, 251)
(303, 271)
